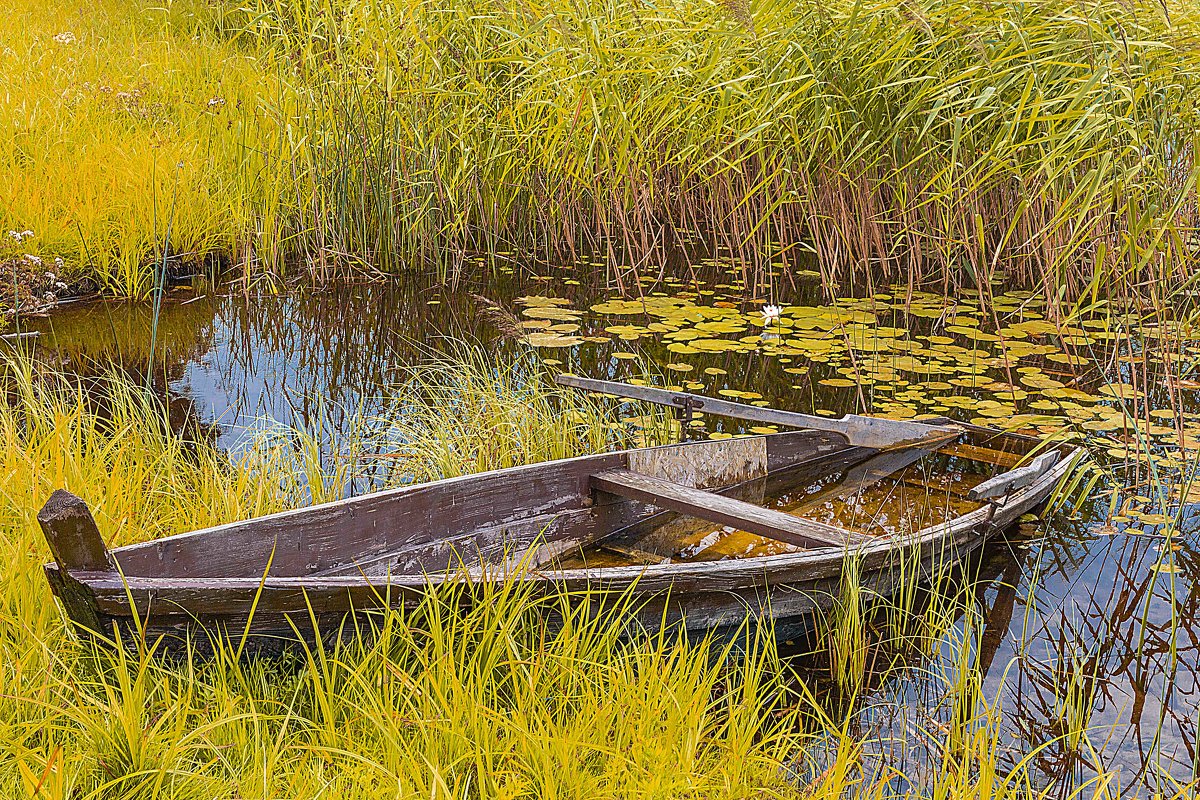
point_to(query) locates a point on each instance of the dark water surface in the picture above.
(1078, 606)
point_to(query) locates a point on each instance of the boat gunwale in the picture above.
(400, 491)
(614, 577)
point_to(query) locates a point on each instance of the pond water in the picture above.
(1095, 603)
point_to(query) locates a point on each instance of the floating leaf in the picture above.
(1121, 390)
(541, 301)
(551, 312)
(552, 340)
(716, 345)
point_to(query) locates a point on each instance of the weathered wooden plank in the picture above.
(77, 546)
(718, 463)
(367, 529)
(791, 449)
(725, 510)
(708, 463)
(984, 455)
(548, 534)
(324, 537)
(71, 532)
(1015, 479)
(636, 555)
(875, 432)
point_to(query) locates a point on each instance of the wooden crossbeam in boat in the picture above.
(725, 510)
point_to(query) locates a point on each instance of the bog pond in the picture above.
(1087, 618)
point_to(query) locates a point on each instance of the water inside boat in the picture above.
(890, 495)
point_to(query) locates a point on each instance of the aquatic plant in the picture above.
(940, 140)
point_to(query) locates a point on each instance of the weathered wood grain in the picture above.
(720, 463)
(77, 546)
(345, 557)
(875, 432)
(471, 512)
(1013, 479)
(231, 596)
(71, 532)
(725, 510)
(986, 455)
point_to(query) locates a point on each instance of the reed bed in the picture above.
(940, 140)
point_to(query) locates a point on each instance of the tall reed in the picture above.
(936, 140)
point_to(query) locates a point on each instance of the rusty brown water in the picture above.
(1074, 600)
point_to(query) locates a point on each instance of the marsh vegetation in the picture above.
(342, 244)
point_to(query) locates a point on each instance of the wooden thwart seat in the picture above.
(724, 510)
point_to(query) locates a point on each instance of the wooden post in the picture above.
(77, 546)
(72, 534)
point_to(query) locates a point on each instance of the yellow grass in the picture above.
(124, 125)
(436, 703)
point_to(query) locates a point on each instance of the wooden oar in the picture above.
(873, 432)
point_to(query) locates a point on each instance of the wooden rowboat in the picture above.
(701, 533)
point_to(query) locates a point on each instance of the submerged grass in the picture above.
(940, 139)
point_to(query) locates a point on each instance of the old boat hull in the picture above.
(303, 571)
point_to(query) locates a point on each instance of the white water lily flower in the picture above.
(771, 314)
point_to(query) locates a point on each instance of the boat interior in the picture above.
(889, 494)
(698, 501)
